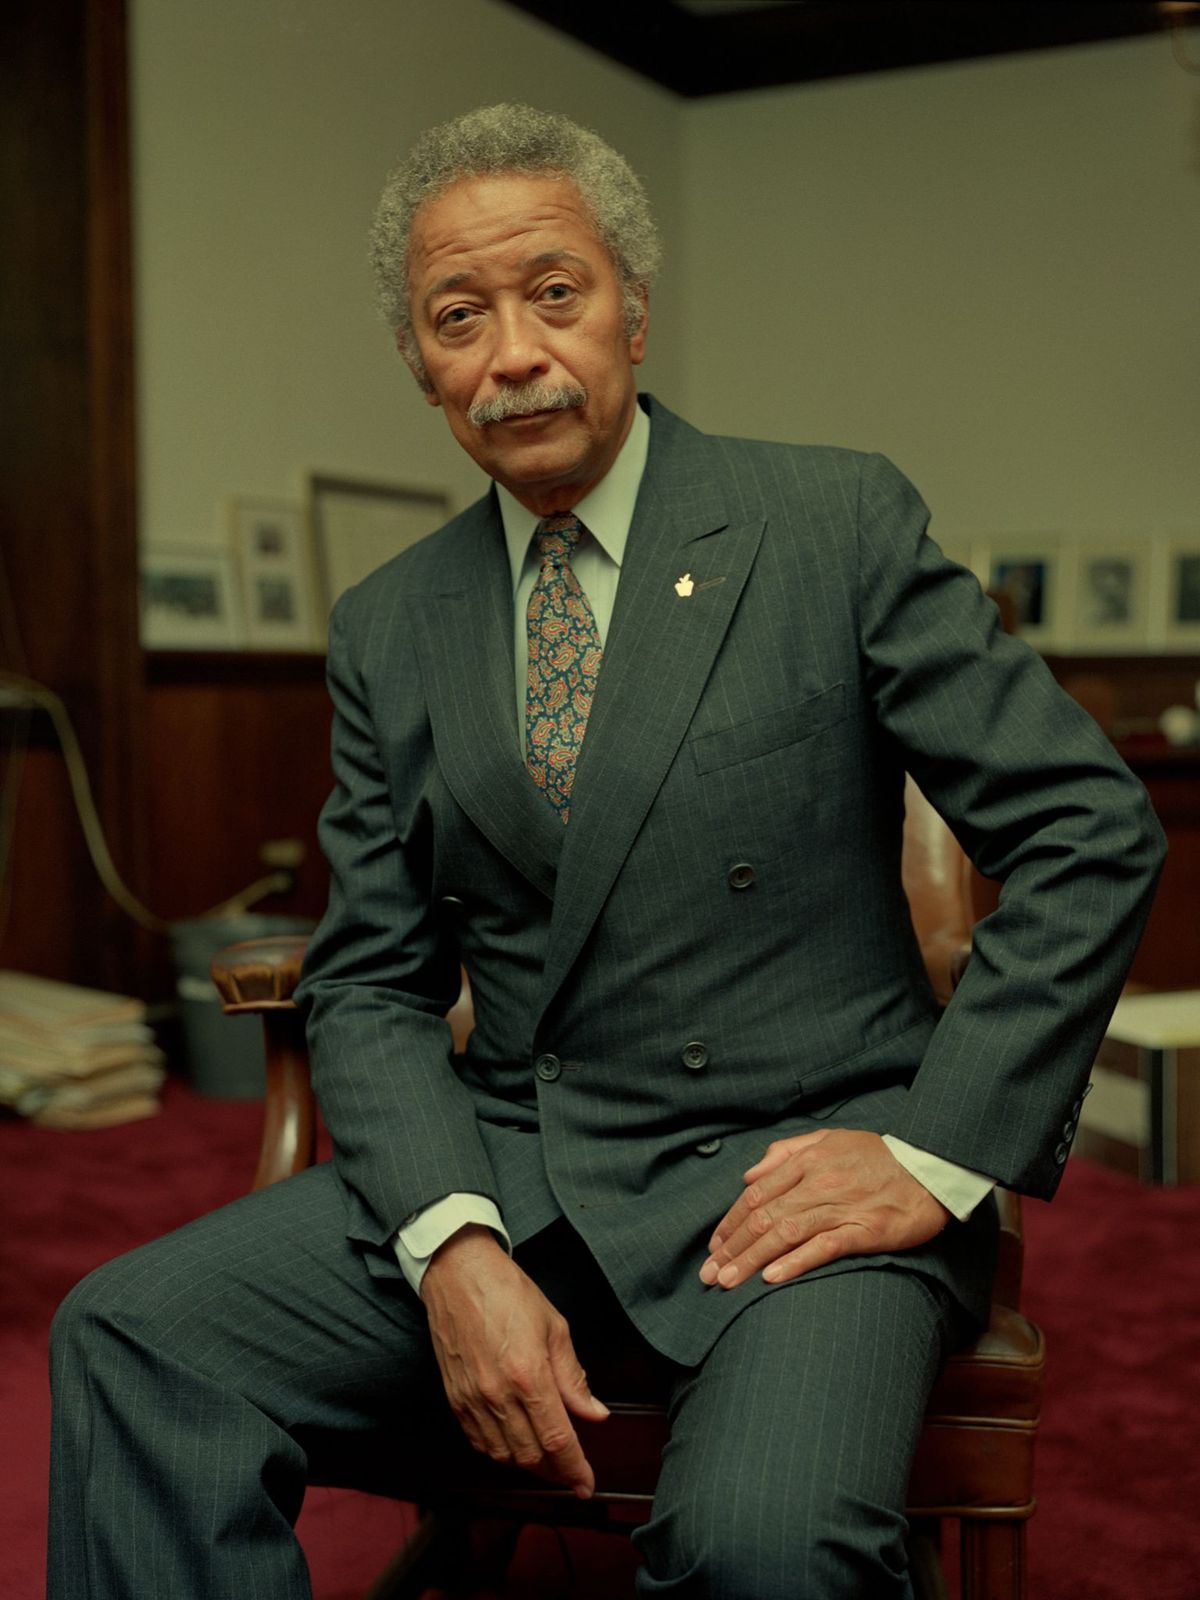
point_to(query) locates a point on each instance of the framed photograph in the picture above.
(275, 557)
(189, 599)
(358, 526)
(1182, 559)
(1111, 596)
(1030, 574)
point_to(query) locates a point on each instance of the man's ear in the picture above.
(637, 340)
(411, 356)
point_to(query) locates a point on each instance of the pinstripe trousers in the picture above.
(202, 1381)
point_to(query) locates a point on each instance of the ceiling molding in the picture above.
(706, 47)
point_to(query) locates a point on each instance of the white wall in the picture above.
(262, 132)
(989, 270)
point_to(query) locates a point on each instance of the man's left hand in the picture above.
(813, 1198)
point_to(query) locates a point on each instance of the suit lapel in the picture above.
(660, 650)
(465, 635)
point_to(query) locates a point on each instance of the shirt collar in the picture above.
(606, 512)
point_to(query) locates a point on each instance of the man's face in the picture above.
(509, 286)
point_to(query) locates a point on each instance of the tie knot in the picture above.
(557, 536)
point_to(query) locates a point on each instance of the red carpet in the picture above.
(1113, 1277)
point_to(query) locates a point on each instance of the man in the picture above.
(627, 738)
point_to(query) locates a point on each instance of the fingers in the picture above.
(803, 1241)
(561, 1454)
(767, 1233)
(519, 1417)
(816, 1198)
(777, 1173)
(571, 1380)
(818, 1251)
(779, 1150)
(510, 1369)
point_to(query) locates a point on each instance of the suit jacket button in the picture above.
(695, 1056)
(741, 876)
(547, 1068)
(1060, 1155)
(708, 1148)
(1068, 1130)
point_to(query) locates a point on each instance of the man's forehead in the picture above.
(553, 257)
(511, 224)
(496, 207)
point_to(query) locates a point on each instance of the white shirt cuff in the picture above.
(426, 1230)
(958, 1188)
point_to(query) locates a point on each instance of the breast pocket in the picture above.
(773, 730)
(758, 776)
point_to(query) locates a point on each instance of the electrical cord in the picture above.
(33, 694)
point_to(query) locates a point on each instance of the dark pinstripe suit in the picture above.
(763, 722)
(729, 879)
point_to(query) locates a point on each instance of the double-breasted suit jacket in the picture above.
(717, 950)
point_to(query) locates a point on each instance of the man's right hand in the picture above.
(507, 1361)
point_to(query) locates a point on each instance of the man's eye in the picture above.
(455, 317)
(557, 292)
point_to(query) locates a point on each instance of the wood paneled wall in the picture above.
(1127, 694)
(67, 532)
(237, 756)
(1169, 954)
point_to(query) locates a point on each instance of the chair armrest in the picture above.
(259, 977)
(260, 974)
(1010, 1263)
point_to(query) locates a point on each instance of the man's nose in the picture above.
(519, 352)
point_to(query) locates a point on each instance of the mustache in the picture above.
(519, 400)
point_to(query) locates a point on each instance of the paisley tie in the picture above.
(564, 661)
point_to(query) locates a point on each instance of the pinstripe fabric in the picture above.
(730, 878)
(201, 1381)
(730, 875)
(791, 1447)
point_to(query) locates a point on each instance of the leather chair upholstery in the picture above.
(974, 1462)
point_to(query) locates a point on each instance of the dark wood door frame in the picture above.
(68, 494)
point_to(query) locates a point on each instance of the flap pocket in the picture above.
(773, 730)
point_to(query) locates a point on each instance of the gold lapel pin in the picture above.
(684, 586)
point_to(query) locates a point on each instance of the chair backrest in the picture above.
(937, 881)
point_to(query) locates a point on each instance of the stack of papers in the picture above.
(75, 1058)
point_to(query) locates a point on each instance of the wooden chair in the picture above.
(974, 1462)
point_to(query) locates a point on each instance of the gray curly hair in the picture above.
(513, 138)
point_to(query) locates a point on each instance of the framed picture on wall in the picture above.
(1029, 572)
(1182, 557)
(274, 554)
(357, 526)
(1111, 596)
(189, 599)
